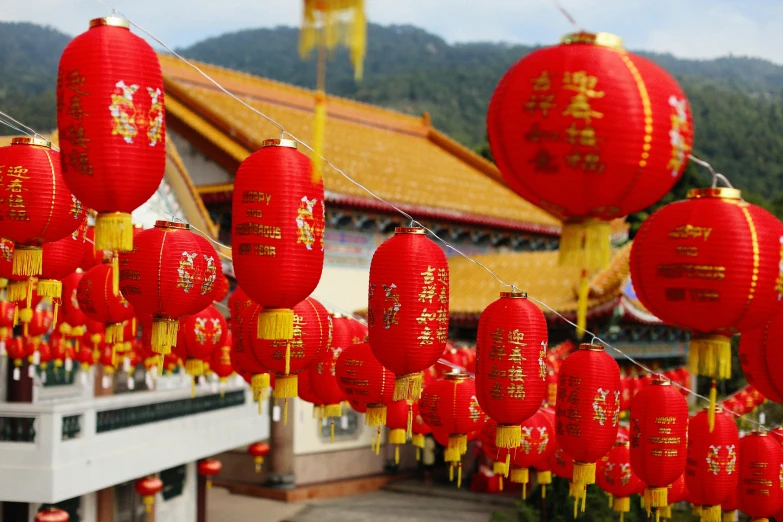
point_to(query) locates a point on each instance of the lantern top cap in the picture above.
(113, 21)
(515, 294)
(591, 347)
(612, 41)
(623, 443)
(409, 230)
(38, 142)
(171, 224)
(718, 409)
(455, 375)
(660, 381)
(759, 433)
(278, 142)
(717, 193)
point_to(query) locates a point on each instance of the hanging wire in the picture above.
(716, 176)
(568, 16)
(6, 119)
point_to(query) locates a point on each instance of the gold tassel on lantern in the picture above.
(319, 133)
(164, 335)
(584, 473)
(581, 305)
(544, 478)
(17, 290)
(508, 436)
(375, 415)
(114, 231)
(459, 442)
(711, 410)
(417, 440)
(711, 514)
(710, 356)
(337, 22)
(586, 244)
(522, 476)
(276, 324)
(408, 387)
(28, 261)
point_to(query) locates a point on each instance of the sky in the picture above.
(685, 28)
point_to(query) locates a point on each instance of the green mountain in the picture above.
(737, 102)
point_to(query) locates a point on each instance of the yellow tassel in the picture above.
(459, 442)
(622, 504)
(333, 410)
(194, 367)
(657, 497)
(729, 516)
(584, 473)
(581, 305)
(500, 483)
(396, 454)
(50, 288)
(524, 491)
(286, 387)
(164, 335)
(28, 261)
(259, 460)
(114, 333)
(583, 496)
(378, 442)
(657, 515)
(285, 410)
(26, 315)
(499, 468)
(418, 440)
(508, 436)
(375, 415)
(622, 517)
(331, 430)
(711, 514)
(16, 316)
(17, 291)
(259, 383)
(418, 454)
(586, 244)
(114, 231)
(410, 419)
(3, 282)
(397, 436)
(711, 410)
(193, 388)
(519, 475)
(666, 512)
(408, 387)
(714, 355)
(288, 357)
(459, 474)
(55, 311)
(451, 455)
(610, 499)
(115, 274)
(319, 125)
(276, 324)
(694, 357)
(576, 505)
(328, 24)
(451, 472)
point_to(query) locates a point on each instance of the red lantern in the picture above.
(40, 324)
(450, 405)
(500, 457)
(305, 392)
(38, 208)
(397, 413)
(363, 378)
(221, 359)
(60, 259)
(286, 358)
(419, 428)
(258, 451)
(52, 514)
(203, 333)
(209, 468)
(99, 303)
(112, 127)
(361, 407)
(730, 506)
(321, 373)
(147, 488)
(278, 231)
(8, 318)
(71, 313)
(711, 468)
(589, 132)
(760, 476)
(588, 409)
(242, 356)
(759, 356)
(408, 314)
(511, 364)
(659, 427)
(615, 476)
(18, 351)
(711, 265)
(451, 456)
(536, 444)
(551, 388)
(170, 273)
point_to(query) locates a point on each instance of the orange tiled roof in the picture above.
(400, 157)
(537, 273)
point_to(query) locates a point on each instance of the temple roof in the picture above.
(401, 158)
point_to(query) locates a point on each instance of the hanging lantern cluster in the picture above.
(203, 333)
(536, 444)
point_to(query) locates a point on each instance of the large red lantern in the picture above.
(321, 373)
(659, 427)
(615, 476)
(759, 357)
(408, 307)
(589, 132)
(99, 303)
(204, 333)
(278, 231)
(711, 468)
(511, 364)
(60, 259)
(588, 409)
(286, 358)
(170, 273)
(147, 488)
(111, 123)
(712, 265)
(450, 405)
(760, 493)
(37, 208)
(363, 378)
(536, 444)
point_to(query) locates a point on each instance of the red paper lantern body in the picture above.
(98, 302)
(419, 428)
(112, 128)
(408, 314)
(204, 333)
(450, 405)
(397, 421)
(711, 265)
(52, 515)
(278, 231)
(511, 364)
(659, 427)
(321, 372)
(147, 488)
(60, 259)
(711, 468)
(8, 317)
(588, 408)
(37, 208)
(536, 444)
(304, 390)
(615, 476)
(244, 360)
(170, 273)
(221, 359)
(209, 468)
(759, 356)
(364, 379)
(286, 358)
(71, 313)
(586, 131)
(760, 493)
(258, 451)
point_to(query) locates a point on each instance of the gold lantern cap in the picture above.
(171, 224)
(113, 21)
(455, 375)
(38, 142)
(591, 347)
(409, 230)
(715, 192)
(612, 41)
(278, 142)
(514, 294)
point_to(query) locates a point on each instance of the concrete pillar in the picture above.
(281, 455)
(105, 504)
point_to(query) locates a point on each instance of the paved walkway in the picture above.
(397, 504)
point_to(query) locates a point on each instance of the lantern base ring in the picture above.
(114, 231)
(622, 504)
(418, 440)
